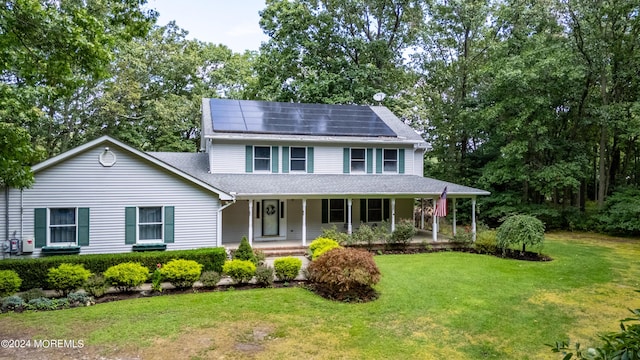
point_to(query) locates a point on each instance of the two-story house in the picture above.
(269, 171)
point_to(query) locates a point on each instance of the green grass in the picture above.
(432, 306)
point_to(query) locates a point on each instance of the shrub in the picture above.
(46, 304)
(240, 271)
(345, 274)
(67, 277)
(620, 213)
(321, 245)
(404, 232)
(181, 273)
(486, 242)
(520, 229)
(335, 235)
(260, 256)
(264, 276)
(210, 279)
(9, 282)
(245, 252)
(12, 303)
(126, 276)
(32, 294)
(287, 268)
(364, 235)
(79, 299)
(96, 285)
(156, 279)
(33, 272)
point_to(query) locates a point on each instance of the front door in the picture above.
(270, 217)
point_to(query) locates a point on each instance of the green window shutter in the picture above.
(274, 159)
(169, 227)
(310, 160)
(40, 227)
(249, 158)
(285, 159)
(130, 225)
(363, 210)
(385, 209)
(379, 161)
(346, 164)
(401, 161)
(83, 226)
(369, 161)
(325, 211)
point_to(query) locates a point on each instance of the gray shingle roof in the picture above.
(313, 185)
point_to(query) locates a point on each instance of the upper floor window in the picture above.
(150, 224)
(62, 226)
(262, 158)
(358, 160)
(390, 160)
(298, 158)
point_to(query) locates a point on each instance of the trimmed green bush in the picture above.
(240, 271)
(9, 282)
(404, 232)
(520, 229)
(332, 233)
(96, 285)
(344, 274)
(321, 245)
(126, 276)
(67, 277)
(245, 252)
(264, 276)
(181, 273)
(287, 268)
(33, 272)
(210, 279)
(486, 242)
(364, 235)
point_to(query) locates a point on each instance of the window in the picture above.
(262, 158)
(374, 210)
(62, 226)
(358, 160)
(298, 158)
(336, 210)
(150, 224)
(390, 160)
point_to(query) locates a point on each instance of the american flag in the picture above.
(441, 205)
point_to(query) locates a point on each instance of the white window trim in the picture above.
(291, 159)
(255, 168)
(397, 161)
(344, 212)
(364, 171)
(49, 226)
(149, 241)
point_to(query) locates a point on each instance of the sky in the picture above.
(233, 23)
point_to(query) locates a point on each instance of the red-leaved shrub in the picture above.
(345, 274)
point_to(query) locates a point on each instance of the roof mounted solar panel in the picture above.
(263, 117)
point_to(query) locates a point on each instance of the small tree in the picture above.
(245, 252)
(520, 229)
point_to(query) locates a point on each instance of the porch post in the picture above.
(393, 214)
(219, 228)
(473, 218)
(304, 222)
(250, 222)
(349, 219)
(422, 213)
(434, 227)
(454, 216)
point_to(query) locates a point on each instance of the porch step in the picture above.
(284, 251)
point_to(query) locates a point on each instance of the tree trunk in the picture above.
(604, 137)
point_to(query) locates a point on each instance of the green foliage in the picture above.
(240, 271)
(67, 277)
(16, 154)
(486, 242)
(333, 234)
(210, 279)
(9, 282)
(264, 276)
(12, 303)
(404, 232)
(344, 274)
(34, 271)
(126, 276)
(364, 234)
(245, 252)
(287, 268)
(321, 245)
(156, 279)
(620, 213)
(96, 285)
(520, 229)
(47, 304)
(79, 299)
(32, 294)
(181, 273)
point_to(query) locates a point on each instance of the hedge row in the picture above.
(33, 272)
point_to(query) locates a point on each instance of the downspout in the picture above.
(21, 216)
(219, 227)
(6, 218)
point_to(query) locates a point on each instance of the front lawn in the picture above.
(444, 305)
